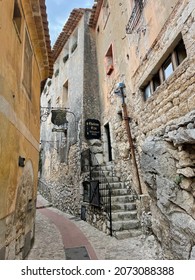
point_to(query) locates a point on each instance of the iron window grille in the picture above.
(135, 16)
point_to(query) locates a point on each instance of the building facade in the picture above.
(25, 61)
(72, 91)
(151, 52)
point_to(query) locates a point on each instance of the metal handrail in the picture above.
(92, 166)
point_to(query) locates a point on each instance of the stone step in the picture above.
(123, 206)
(104, 180)
(127, 233)
(117, 185)
(114, 192)
(99, 173)
(125, 225)
(124, 215)
(117, 192)
(104, 167)
(122, 199)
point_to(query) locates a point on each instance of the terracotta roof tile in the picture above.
(95, 13)
(67, 30)
(47, 36)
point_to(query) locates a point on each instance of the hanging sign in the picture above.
(92, 129)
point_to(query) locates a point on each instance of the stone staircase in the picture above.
(124, 214)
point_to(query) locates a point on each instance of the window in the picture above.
(27, 71)
(49, 104)
(74, 41)
(167, 68)
(147, 92)
(106, 12)
(58, 100)
(109, 61)
(180, 52)
(156, 81)
(17, 17)
(65, 94)
(135, 16)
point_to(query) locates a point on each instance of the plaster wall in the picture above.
(19, 137)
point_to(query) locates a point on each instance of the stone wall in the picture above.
(168, 168)
(17, 229)
(163, 132)
(61, 180)
(62, 188)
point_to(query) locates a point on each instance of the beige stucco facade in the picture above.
(21, 32)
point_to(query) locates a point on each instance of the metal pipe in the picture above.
(126, 118)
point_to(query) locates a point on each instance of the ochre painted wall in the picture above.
(19, 133)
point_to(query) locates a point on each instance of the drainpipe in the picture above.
(126, 119)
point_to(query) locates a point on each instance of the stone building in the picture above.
(25, 61)
(72, 91)
(152, 52)
(144, 157)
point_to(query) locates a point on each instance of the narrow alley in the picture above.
(97, 131)
(70, 238)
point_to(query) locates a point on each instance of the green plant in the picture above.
(178, 178)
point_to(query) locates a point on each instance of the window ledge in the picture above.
(110, 69)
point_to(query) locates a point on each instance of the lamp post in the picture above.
(120, 91)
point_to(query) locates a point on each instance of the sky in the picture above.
(58, 12)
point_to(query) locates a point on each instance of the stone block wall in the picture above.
(175, 96)
(164, 136)
(168, 169)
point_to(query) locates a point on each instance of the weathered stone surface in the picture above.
(192, 255)
(186, 184)
(171, 191)
(182, 136)
(187, 172)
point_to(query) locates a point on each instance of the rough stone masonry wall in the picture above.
(168, 169)
(175, 97)
(165, 140)
(62, 189)
(17, 229)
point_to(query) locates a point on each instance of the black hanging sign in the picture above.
(58, 117)
(92, 129)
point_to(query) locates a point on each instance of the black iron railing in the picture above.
(100, 188)
(135, 16)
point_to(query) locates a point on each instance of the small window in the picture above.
(167, 68)
(57, 100)
(147, 92)
(106, 12)
(109, 61)
(27, 72)
(74, 42)
(49, 104)
(17, 17)
(156, 81)
(65, 94)
(180, 52)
